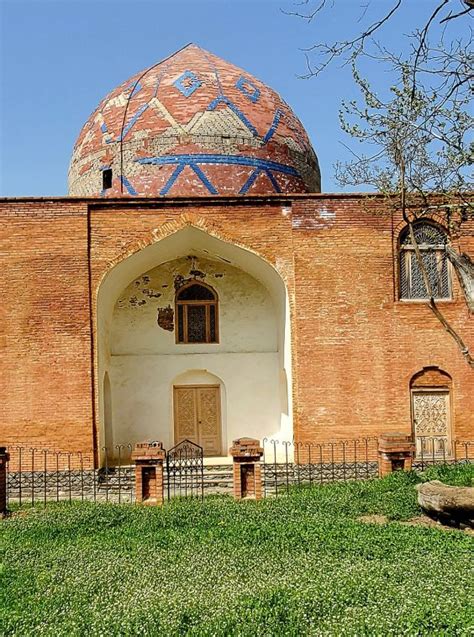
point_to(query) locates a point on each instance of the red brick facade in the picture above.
(356, 348)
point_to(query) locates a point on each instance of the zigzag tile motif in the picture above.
(195, 161)
(194, 110)
(225, 100)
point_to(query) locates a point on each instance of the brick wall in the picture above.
(355, 346)
(45, 363)
(358, 345)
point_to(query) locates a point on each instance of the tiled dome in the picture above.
(193, 124)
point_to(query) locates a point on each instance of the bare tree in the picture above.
(416, 134)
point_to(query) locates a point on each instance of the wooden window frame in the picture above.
(406, 254)
(207, 304)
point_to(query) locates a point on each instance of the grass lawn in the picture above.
(302, 564)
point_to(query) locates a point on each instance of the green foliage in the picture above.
(414, 141)
(460, 475)
(299, 564)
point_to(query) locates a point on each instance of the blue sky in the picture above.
(58, 58)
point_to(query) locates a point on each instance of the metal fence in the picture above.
(286, 464)
(435, 450)
(38, 476)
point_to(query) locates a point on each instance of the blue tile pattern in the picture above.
(136, 87)
(187, 83)
(248, 88)
(273, 126)
(217, 93)
(195, 161)
(224, 100)
(132, 122)
(130, 189)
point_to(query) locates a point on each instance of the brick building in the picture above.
(197, 284)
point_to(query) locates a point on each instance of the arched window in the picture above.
(432, 242)
(196, 309)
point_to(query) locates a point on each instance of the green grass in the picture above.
(297, 565)
(461, 475)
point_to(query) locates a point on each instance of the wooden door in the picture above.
(197, 417)
(431, 422)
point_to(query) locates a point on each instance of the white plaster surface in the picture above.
(247, 321)
(143, 387)
(251, 362)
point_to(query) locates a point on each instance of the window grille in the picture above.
(432, 243)
(197, 316)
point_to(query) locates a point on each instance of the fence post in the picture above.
(395, 451)
(4, 458)
(148, 458)
(247, 472)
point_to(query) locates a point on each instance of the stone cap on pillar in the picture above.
(246, 448)
(148, 452)
(4, 455)
(396, 442)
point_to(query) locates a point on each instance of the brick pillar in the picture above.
(396, 451)
(247, 471)
(149, 458)
(4, 458)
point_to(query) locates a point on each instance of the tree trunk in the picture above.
(450, 505)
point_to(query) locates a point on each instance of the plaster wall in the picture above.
(247, 319)
(142, 405)
(143, 361)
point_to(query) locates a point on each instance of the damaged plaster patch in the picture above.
(324, 219)
(325, 213)
(152, 294)
(179, 281)
(198, 274)
(165, 318)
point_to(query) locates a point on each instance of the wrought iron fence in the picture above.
(38, 476)
(433, 450)
(185, 471)
(286, 464)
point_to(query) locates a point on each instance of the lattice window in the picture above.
(196, 309)
(432, 242)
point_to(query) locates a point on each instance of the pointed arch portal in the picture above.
(140, 352)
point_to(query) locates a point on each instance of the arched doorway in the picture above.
(242, 339)
(199, 413)
(430, 391)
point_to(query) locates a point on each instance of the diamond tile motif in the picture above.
(187, 83)
(248, 88)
